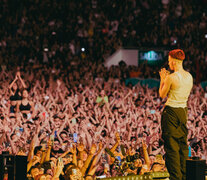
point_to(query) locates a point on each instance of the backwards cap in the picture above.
(177, 54)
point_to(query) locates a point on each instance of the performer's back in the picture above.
(180, 89)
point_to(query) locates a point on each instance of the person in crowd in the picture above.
(26, 107)
(15, 94)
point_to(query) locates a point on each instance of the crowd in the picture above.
(73, 117)
(59, 122)
(48, 31)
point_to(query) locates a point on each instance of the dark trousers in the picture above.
(174, 134)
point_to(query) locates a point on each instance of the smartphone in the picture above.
(74, 121)
(75, 137)
(189, 151)
(119, 149)
(44, 145)
(106, 166)
(74, 171)
(152, 111)
(47, 97)
(52, 139)
(29, 116)
(60, 159)
(119, 158)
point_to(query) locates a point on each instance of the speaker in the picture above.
(7, 161)
(195, 169)
(21, 167)
(15, 165)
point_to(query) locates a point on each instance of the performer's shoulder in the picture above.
(189, 74)
(172, 75)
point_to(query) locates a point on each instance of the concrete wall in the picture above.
(129, 56)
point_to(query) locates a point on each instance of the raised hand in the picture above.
(93, 149)
(81, 147)
(59, 169)
(35, 160)
(18, 74)
(73, 149)
(100, 146)
(118, 137)
(164, 73)
(49, 143)
(144, 145)
(16, 77)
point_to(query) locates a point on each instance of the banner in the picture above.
(151, 57)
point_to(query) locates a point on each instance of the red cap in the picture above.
(177, 54)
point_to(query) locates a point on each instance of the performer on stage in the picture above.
(177, 87)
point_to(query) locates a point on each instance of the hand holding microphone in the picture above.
(164, 73)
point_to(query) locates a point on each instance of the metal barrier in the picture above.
(148, 176)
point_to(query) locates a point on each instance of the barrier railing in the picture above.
(148, 176)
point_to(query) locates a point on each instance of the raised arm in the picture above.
(32, 145)
(21, 80)
(146, 156)
(74, 152)
(58, 170)
(11, 143)
(116, 144)
(88, 160)
(95, 160)
(165, 83)
(12, 83)
(47, 157)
